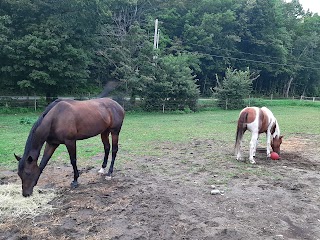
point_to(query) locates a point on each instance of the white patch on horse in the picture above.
(108, 178)
(102, 171)
(255, 128)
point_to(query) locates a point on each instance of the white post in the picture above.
(155, 40)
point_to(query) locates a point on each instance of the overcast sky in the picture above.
(312, 5)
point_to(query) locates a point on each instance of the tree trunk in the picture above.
(288, 87)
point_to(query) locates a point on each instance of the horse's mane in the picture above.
(277, 129)
(35, 126)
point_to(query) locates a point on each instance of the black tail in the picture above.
(110, 86)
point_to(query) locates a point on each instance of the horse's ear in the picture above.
(17, 157)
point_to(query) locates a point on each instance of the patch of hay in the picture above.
(13, 204)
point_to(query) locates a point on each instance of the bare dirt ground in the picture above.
(169, 197)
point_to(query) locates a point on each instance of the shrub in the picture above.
(235, 87)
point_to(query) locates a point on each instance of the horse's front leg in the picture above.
(71, 147)
(255, 149)
(253, 146)
(47, 153)
(268, 142)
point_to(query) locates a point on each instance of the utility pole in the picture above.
(156, 35)
(156, 38)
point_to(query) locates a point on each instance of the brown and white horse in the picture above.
(257, 121)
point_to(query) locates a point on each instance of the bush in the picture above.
(235, 87)
(173, 86)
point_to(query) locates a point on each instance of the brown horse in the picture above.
(65, 122)
(258, 120)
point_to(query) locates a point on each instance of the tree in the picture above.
(127, 46)
(235, 87)
(173, 85)
(49, 49)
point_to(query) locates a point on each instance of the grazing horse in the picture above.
(258, 120)
(65, 122)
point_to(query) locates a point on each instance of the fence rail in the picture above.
(39, 102)
(313, 99)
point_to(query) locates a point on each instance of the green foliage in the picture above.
(173, 86)
(48, 48)
(235, 87)
(74, 47)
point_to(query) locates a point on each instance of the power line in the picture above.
(256, 61)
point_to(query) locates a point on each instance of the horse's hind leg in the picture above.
(106, 145)
(253, 146)
(71, 147)
(115, 139)
(238, 144)
(238, 151)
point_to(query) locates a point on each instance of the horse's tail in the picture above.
(241, 128)
(109, 87)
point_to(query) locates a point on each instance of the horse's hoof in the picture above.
(108, 178)
(74, 184)
(102, 171)
(252, 161)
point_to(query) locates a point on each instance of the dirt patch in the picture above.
(169, 197)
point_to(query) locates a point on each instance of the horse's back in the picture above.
(268, 112)
(111, 110)
(258, 119)
(250, 113)
(71, 119)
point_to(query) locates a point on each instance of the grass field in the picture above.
(142, 132)
(166, 168)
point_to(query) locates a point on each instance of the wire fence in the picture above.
(30, 102)
(38, 103)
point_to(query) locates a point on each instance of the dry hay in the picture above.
(13, 204)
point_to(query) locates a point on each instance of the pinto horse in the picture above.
(65, 122)
(257, 121)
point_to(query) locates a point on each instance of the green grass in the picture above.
(143, 132)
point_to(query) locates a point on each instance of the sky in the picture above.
(312, 5)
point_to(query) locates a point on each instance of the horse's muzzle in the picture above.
(27, 193)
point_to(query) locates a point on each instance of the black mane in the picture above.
(34, 128)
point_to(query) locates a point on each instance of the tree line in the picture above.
(55, 47)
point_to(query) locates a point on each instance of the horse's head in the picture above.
(275, 144)
(29, 173)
